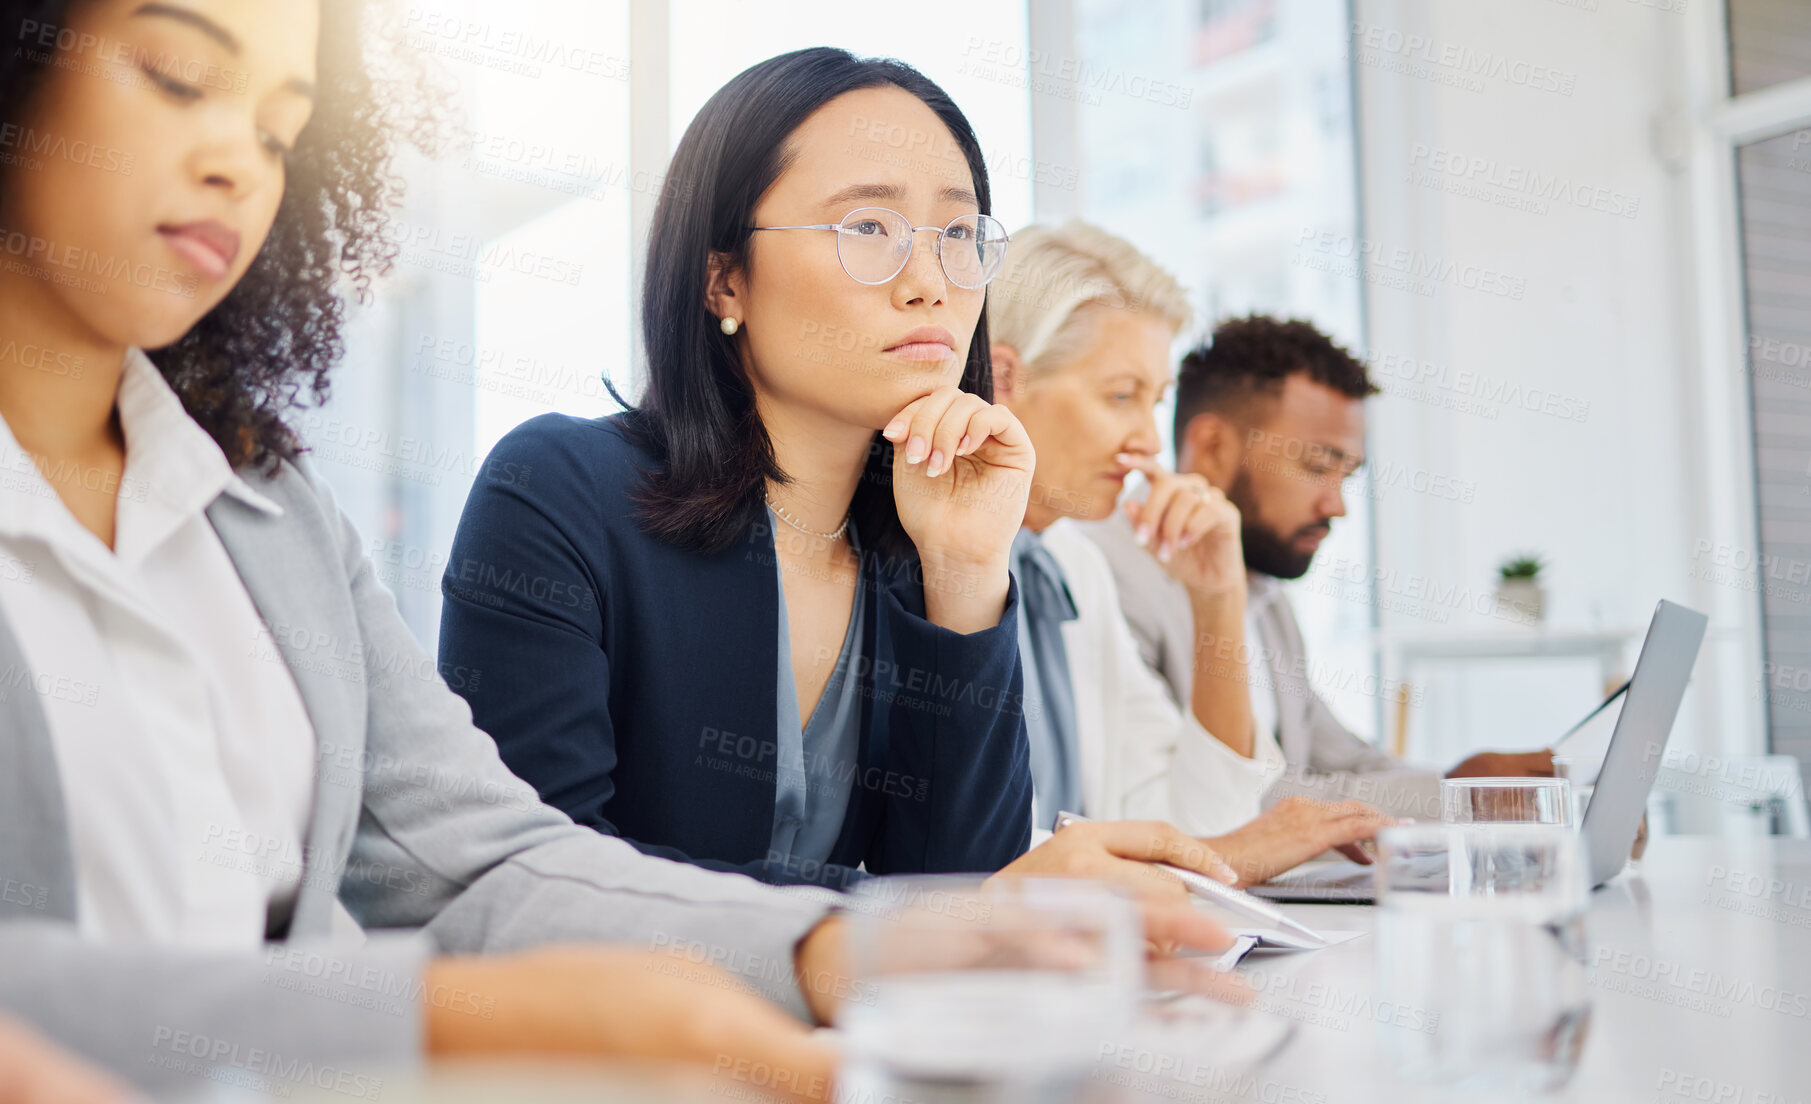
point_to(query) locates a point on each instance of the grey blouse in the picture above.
(817, 766)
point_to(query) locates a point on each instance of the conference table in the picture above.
(1700, 967)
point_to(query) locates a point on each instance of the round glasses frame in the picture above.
(987, 229)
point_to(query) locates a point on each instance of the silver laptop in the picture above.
(1620, 797)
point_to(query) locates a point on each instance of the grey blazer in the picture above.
(418, 833)
(1324, 758)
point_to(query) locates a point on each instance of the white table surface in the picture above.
(1701, 991)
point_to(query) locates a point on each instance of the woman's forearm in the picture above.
(964, 597)
(1221, 698)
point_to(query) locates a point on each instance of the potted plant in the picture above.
(1519, 589)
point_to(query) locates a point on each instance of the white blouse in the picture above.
(1143, 758)
(185, 752)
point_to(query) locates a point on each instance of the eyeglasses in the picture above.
(874, 244)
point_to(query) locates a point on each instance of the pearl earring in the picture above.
(728, 325)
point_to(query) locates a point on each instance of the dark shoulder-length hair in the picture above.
(697, 416)
(270, 343)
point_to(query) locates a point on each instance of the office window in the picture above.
(976, 52)
(1774, 180)
(511, 295)
(1213, 135)
(1769, 43)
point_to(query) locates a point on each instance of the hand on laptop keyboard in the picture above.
(1295, 830)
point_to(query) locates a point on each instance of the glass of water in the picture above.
(1000, 991)
(1504, 800)
(1582, 777)
(1481, 947)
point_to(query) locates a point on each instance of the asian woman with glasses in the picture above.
(763, 620)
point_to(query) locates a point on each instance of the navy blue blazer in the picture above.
(632, 683)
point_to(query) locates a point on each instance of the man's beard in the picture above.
(1265, 551)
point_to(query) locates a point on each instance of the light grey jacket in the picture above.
(1324, 758)
(417, 826)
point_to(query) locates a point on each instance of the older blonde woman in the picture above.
(1081, 324)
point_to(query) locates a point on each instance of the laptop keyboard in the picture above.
(1324, 874)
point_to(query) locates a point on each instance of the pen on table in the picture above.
(1224, 895)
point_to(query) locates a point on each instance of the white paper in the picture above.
(1271, 941)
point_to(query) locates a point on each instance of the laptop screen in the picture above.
(1583, 747)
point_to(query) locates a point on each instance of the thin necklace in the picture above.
(779, 512)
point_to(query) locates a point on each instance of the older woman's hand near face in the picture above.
(1188, 524)
(33, 1071)
(961, 474)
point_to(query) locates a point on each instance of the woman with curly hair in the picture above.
(210, 778)
(266, 329)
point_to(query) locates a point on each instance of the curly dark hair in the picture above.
(1251, 356)
(269, 345)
